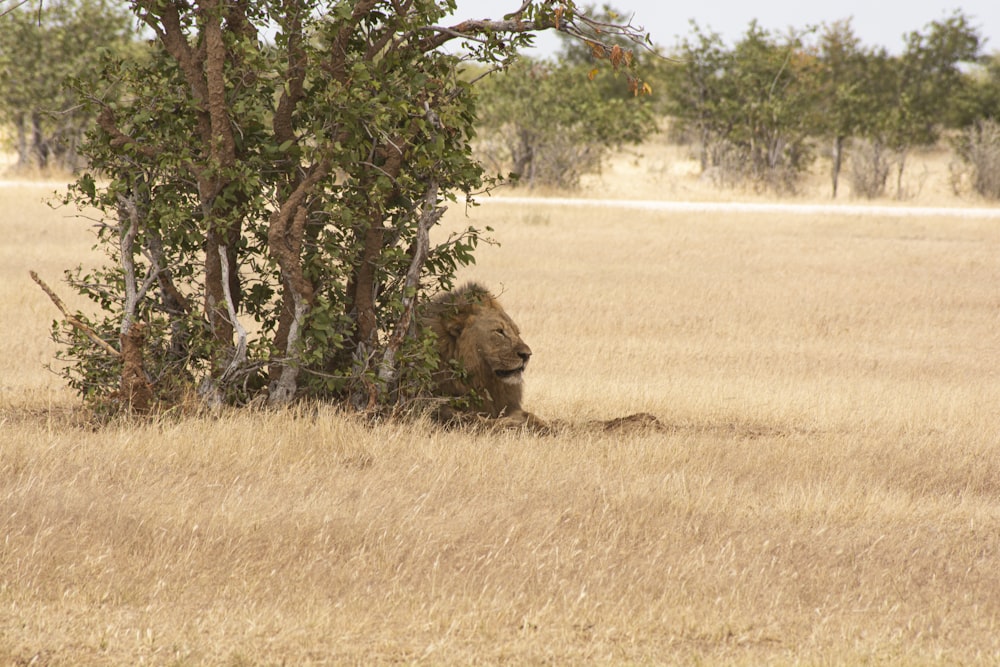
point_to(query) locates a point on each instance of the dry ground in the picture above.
(826, 489)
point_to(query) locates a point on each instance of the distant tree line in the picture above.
(756, 112)
(550, 121)
(759, 111)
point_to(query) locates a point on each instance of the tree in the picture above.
(291, 182)
(43, 48)
(978, 97)
(978, 147)
(976, 110)
(775, 79)
(752, 108)
(916, 92)
(550, 122)
(553, 122)
(842, 76)
(697, 88)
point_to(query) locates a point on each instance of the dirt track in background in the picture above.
(754, 207)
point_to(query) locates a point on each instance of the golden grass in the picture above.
(826, 489)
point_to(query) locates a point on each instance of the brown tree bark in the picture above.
(362, 288)
(285, 237)
(204, 65)
(135, 390)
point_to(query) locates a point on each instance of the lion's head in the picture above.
(472, 329)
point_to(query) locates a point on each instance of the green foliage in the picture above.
(291, 184)
(926, 78)
(550, 123)
(751, 109)
(979, 98)
(912, 96)
(44, 48)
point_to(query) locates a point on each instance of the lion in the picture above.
(474, 333)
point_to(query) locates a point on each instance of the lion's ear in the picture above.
(456, 324)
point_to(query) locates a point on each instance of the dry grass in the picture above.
(660, 170)
(826, 489)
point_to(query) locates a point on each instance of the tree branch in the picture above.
(223, 142)
(128, 215)
(294, 78)
(107, 122)
(285, 237)
(338, 49)
(12, 8)
(389, 368)
(73, 320)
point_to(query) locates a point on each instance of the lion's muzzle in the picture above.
(513, 375)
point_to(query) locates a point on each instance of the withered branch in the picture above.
(73, 320)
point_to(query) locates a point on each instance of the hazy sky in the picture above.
(875, 22)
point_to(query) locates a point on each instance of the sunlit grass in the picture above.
(824, 489)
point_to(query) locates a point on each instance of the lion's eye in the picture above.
(500, 332)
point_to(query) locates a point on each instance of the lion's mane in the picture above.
(472, 329)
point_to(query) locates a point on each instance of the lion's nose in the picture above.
(525, 355)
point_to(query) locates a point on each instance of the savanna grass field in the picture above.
(824, 488)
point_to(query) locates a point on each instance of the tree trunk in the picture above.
(838, 156)
(215, 294)
(703, 157)
(39, 147)
(364, 284)
(23, 157)
(135, 390)
(389, 368)
(285, 235)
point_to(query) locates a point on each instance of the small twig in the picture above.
(481, 76)
(74, 321)
(453, 33)
(13, 7)
(519, 12)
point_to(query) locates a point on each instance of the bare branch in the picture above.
(479, 29)
(10, 9)
(517, 14)
(589, 30)
(73, 320)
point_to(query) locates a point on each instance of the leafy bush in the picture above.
(750, 109)
(550, 123)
